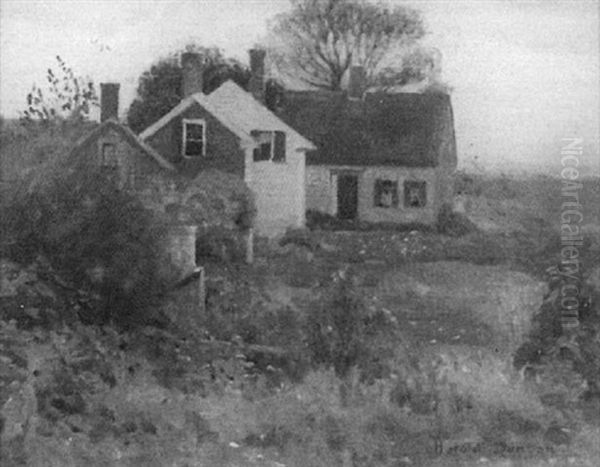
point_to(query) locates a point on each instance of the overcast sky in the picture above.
(524, 73)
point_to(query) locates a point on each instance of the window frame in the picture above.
(378, 189)
(193, 121)
(113, 164)
(420, 185)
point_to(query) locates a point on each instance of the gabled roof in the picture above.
(188, 102)
(129, 135)
(237, 110)
(249, 114)
(402, 129)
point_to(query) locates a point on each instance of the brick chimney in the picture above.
(257, 68)
(109, 101)
(193, 67)
(357, 82)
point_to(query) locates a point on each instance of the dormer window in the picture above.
(194, 138)
(270, 146)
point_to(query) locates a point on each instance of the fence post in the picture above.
(250, 246)
(201, 292)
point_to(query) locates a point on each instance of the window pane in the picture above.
(265, 151)
(386, 193)
(193, 148)
(415, 194)
(194, 131)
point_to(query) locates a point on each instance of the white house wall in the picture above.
(279, 191)
(321, 192)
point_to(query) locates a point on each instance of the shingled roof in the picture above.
(402, 129)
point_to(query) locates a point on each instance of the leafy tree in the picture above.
(159, 88)
(67, 96)
(323, 38)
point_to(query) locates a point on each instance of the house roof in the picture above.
(402, 129)
(237, 110)
(249, 114)
(129, 135)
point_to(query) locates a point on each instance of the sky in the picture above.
(524, 74)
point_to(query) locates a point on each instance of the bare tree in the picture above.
(67, 96)
(321, 39)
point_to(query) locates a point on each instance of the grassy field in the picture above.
(433, 384)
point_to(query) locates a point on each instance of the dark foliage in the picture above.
(342, 333)
(550, 339)
(453, 223)
(160, 89)
(67, 96)
(95, 236)
(219, 244)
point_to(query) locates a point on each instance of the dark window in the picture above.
(415, 194)
(193, 138)
(271, 146)
(279, 151)
(109, 156)
(386, 194)
(262, 152)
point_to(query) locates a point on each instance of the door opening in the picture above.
(347, 196)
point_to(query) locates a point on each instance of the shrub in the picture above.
(219, 243)
(342, 332)
(549, 342)
(335, 327)
(98, 237)
(301, 238)
(453, 223)
(216, 198)
(320, 220)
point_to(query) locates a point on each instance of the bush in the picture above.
(453, 223)
(335, 328)
(549, 342)
(219, 243)
(99, 238)
(341, 332)
(215, 198)
(321, 220)
(301, 238)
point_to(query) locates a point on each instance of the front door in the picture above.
(347, 196)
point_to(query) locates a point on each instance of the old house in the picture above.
(115, 149)
(231, 130)
(380, 157)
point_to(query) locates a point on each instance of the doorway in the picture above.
(347, 196)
